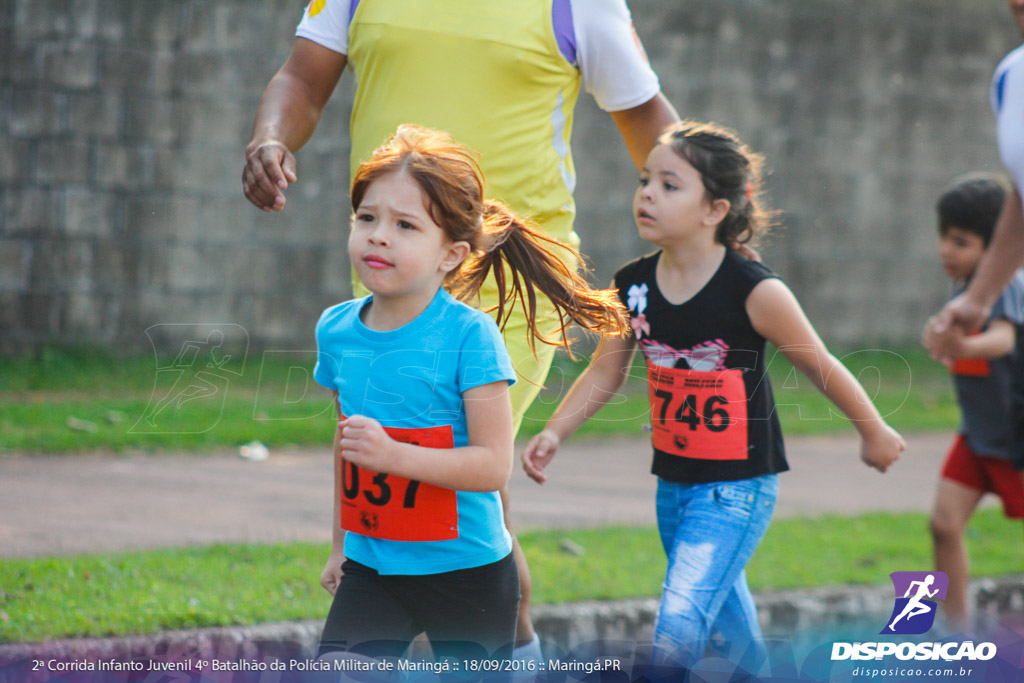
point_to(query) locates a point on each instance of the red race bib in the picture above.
(970, 367)
(394, 508)
(699, 415)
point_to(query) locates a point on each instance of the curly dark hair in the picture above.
(730, 170)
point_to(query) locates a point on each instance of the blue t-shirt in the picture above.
(985, 400)
(414, 378)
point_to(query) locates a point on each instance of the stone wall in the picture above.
(122, 126)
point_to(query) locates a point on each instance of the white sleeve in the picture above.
(1008, 102)
(610, 56)
(325, 22)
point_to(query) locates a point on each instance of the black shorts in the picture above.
(466, 614)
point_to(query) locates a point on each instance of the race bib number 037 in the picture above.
(394, 508)
(699, 415)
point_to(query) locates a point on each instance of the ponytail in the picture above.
(525, 260)
(747, 218)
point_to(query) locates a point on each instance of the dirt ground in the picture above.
(56, 505)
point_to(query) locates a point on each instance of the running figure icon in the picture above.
(190, 390)
(916, 595)
(915, 607)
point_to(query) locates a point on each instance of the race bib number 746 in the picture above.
(699, 414)
(394, 508)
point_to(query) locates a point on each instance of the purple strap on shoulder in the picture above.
(561, 20)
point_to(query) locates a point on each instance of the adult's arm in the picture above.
(285, 120)
(641, 125)
(617, 73)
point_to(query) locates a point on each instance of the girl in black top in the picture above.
(701, 314)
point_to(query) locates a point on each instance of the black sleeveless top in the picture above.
(697, 422)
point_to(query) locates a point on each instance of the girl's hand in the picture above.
(330, 579)
(882, 448)
(539, 452)
(365, 443)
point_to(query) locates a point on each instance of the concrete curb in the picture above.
(799, 616)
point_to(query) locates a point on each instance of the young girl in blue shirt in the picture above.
(701, 314)
(420, 380)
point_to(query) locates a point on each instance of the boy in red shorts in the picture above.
(979, 459)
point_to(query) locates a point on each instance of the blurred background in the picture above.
(123, 124)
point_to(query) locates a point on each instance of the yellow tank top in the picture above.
(490, 73)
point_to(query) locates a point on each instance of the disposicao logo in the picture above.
(913, 613)
(916, 592)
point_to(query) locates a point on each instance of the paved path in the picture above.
(92, 503)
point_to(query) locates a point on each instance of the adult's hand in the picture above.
(944, 333)
(287, 117)
(961, 315)
(269, 168)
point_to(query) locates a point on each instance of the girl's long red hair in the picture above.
(522, 258)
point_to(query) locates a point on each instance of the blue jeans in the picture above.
(709, 532)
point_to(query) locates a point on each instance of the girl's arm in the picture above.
(778, 317)
(331, 576)
(998, 340)
(483, 465)
(589, 393)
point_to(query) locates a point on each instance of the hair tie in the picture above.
(750, 191)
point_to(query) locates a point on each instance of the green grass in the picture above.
(144, 592)
(80, 400)
(113, 403)
(833, 550)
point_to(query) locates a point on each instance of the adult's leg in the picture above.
(1017, 404)
(367, 617)
(710, 532)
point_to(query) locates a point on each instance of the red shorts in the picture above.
(987, 474)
